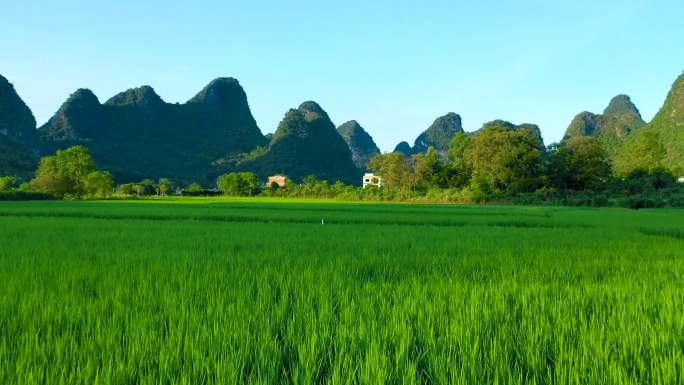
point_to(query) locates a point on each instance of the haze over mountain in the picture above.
(18, 137)
(137, 135)
(305, 143)
(611, 128)
(361, 144)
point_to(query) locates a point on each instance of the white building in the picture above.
(370, 179)
(680, 179)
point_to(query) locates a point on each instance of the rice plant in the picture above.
(259, 292)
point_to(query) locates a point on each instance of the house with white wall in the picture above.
(370, 179)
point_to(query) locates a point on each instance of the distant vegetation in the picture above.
(500, 163)
(150, 147)
(71, 173)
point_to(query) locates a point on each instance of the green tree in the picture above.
(48, 178)
(458, 146)
(458, 172)
(250, 183)
(99, 184)
(229, 184)
(7, 183)
(579, 163)
(194, 187)
(395, 170)
(309, 180)
(126, 189)
(138, 189)
(481, 188)
(64, 173)
(239, 184)
(643, 151)
(427, 168)
(510, 158)
(164, 186)
(145, 187)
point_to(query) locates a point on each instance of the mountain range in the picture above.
(135, 135)
(620, 129)
(611, 128)
(305, 143)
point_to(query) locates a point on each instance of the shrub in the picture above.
(481, 189)
(7, 183)
(200, 193)
(18, 195)
(637, 202)
(675, 200)
(239, 184)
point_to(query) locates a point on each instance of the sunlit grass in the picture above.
(232, 292)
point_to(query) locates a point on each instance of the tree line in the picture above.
(500, 163)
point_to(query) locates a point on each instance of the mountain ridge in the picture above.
(619, 120)
(305, 143)
(668, 126)
(18, 136)
(438, 135)
(360, 142)
(136, 134)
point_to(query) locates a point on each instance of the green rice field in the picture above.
(219, 291)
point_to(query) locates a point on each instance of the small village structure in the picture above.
(680, 179)
(279, 180)
(370, 179)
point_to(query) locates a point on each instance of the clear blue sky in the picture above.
(392, 65)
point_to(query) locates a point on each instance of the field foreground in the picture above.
(250, 292)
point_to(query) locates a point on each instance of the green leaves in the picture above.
(579, 163)
(243, 184)
(7, 183)
(509, 155)
(644, 151)
(99, 184)
(71, 173)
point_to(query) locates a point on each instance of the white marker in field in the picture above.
(322, 222)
